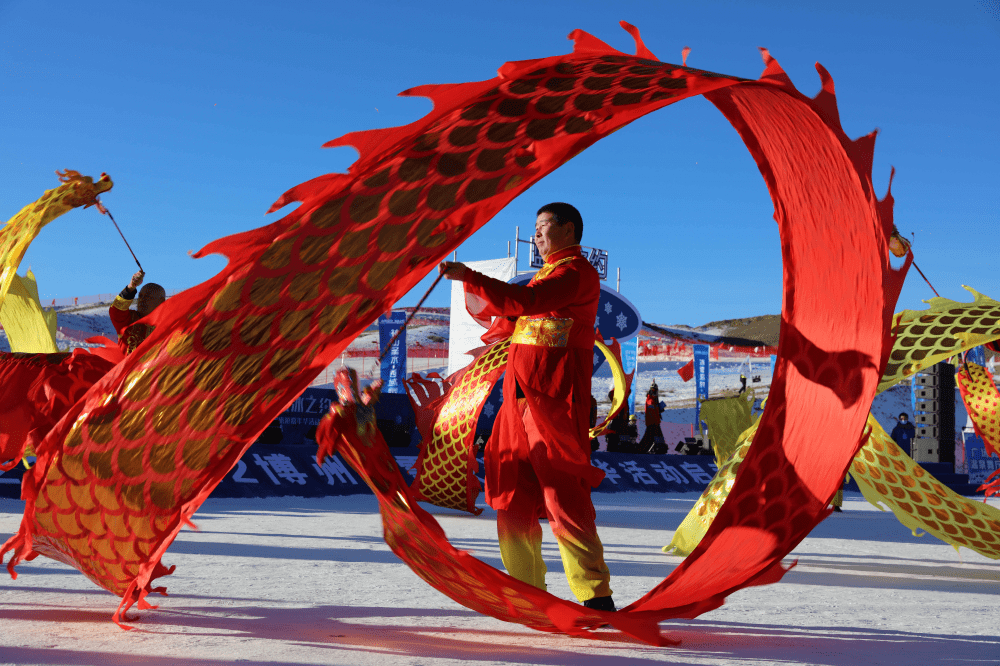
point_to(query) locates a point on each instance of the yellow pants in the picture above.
(571, 517)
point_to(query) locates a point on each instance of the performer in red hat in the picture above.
(538, 457)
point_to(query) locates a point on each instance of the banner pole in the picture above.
(402, 328)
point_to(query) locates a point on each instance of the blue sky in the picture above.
(204, 113)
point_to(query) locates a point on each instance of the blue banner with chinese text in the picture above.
(394, 363)
(700, 379)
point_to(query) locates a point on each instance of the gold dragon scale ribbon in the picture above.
(924, 338)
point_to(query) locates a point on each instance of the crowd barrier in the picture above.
(282, 462)
(649, 348)
(413, 350)
(93, 299)
(277, 470)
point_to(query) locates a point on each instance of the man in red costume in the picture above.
(130, 334)
(538, 457)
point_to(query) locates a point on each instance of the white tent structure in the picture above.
(464, 332)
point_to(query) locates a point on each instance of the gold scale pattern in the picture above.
(133, 460)
(443, 478)
(982, 401)
(692, 529)
(947, 328)
(888, 476)
(446, 468)
(918, 345)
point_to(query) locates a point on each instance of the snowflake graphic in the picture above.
(597, 358)
(488, 410)
(607, 308)
(622, 321)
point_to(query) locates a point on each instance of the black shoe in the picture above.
(601, 604)
(837, 509)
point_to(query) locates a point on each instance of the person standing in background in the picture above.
(903, 433)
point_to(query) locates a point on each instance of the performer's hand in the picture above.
(453, 270)
(137, 279)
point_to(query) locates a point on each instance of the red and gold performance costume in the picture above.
(538, 457)
(130, 336)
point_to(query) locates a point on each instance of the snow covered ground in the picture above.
(310, 581)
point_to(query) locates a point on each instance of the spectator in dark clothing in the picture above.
(653, 434)
(628, 439)
(903, 433)
(618, 426)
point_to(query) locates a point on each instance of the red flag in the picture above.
(686, 371)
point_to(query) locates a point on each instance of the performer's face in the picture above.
(150, 298)
(550, 236)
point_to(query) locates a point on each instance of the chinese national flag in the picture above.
(686, 371)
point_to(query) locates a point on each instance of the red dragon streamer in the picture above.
(132, 461)
(418, 540)
(37, 389)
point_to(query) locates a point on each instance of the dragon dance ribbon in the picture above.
(982, 402)
(727, 420)
(419, 541)
(888, 476)
(36, 382)
(37, 390)
(692, 529)
(945, 329)
(445, 473)
(132, 460)
(925, 339)
(29, 328)
(21, 229)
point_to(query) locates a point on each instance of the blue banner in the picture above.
(700, 380)
(394, 363)
(630, 355)
(298, 423)
(976, 355)
(291, 471)
(980, 464)
(487, 417)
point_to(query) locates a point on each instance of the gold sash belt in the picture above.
(542, 332)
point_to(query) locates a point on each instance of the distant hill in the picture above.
(762, 330)
(744, 332)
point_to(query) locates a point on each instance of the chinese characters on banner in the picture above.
(700, 380)
(980, 463)
(598, 258)
(298, 423)
(394, 363)
(293, 471)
